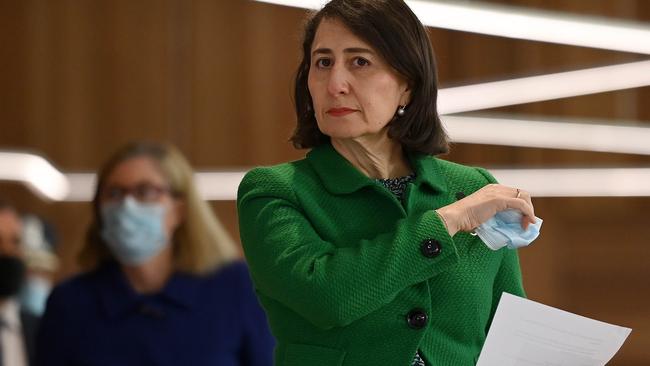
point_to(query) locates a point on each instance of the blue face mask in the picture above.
(504, 230)
(33, 295)
(134, 232)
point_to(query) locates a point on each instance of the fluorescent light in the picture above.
(82, 187)
(549, 134)
(613, 182)
(39, 175)
(535, 25)
(303, 4)
(222, 186)
(213, 186)
(522, 23)
(219, 186)
(544, 87)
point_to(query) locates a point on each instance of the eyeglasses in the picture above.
(143, 192)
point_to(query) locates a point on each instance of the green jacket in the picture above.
(350, 276)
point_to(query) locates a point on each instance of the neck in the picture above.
(152, 275)
(377, 157)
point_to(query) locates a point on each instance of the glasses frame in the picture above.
(144, 192)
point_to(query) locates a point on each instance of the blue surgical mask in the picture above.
(504, 230)
(133, 231)
(33, 296)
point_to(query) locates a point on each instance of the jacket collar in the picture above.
(120, 298)
(339, 176)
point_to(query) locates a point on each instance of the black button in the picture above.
(417, 319)
(430, 248)
(460, 196)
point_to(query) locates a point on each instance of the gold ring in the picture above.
(518, 193)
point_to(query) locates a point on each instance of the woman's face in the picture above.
(141, 178)
(354, 91)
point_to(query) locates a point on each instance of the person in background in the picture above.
(39, 240)
(17, 327)
(361, 252)
(164, 285)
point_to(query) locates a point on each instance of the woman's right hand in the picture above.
(470, 212)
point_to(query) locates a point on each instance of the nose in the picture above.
(338, 83)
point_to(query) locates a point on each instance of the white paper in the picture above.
(527, 333)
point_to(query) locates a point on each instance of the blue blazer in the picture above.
(97, 319)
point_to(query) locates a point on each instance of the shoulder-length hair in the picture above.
(201, 243)
(398, 36)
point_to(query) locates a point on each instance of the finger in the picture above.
(524, 207)
(526, 197)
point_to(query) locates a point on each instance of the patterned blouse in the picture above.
(397, 186)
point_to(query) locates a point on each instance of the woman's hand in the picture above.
(473, 210)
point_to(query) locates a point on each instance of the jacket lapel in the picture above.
(341, 177)
(427, 172)
(336, 173)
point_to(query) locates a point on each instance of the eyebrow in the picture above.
(347, 50)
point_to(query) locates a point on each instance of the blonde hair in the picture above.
(201, 243)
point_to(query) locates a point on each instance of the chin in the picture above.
(341, 134)
(341, 129)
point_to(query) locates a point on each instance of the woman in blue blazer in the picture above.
(164, 288)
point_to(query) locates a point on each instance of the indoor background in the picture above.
(79, 78)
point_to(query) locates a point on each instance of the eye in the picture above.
(146, 192)
(323, 63)
(360, 61)
(114, 193)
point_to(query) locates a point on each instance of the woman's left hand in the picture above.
(470, 212)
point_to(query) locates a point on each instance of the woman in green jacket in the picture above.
(361, 252)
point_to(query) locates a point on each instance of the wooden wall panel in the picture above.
(78, 78)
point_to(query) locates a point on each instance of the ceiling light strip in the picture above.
(535, 25)
(213, 186)
(34, 171)
(521, 23)
(544, 87)
(611, 182)
(553, 134)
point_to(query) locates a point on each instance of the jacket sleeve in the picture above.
(508, 278)
(330, 285)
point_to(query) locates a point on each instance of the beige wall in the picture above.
(78, 78)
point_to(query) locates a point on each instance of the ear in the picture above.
(405, 98)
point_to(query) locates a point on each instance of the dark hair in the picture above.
(396, 33)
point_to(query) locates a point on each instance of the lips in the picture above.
(340, 112)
